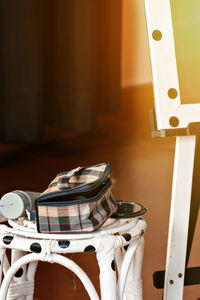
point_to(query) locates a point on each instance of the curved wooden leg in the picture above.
(127, 261)
(21, 274)
(130, 283)
(52, 258)
(2, 258)
(107, 275)
(31, 276)
(134, 281)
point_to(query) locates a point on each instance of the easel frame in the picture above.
(170, 113)
(171, 118)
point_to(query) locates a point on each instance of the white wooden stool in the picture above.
(109, 243)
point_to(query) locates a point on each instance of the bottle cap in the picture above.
(12, 206)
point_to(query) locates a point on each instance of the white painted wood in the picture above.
(105, 243)
(15, 255)
(107, 276)
(130, 283)
(2, 257)
(116, 227)
(164, 68)
(188, 113)
(53, 258)
(135, 281)
(179, 217)
(165, 77)
(31, 276)
(163, 60)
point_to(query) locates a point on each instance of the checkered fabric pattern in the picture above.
(76, 201)
(87, 175)
(87, 217)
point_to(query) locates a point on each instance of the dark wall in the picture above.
(21, 69)
(59, 64)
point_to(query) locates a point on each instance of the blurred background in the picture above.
(76, 89)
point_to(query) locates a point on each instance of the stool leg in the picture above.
(134, 282)
(6, 264)
(107, 275)
(2, 255)
(16, 254)
(53, 258)
(130, 283)
(31, 275)
(71, 265)
(127, 261)
(119, 255)
(19, 263)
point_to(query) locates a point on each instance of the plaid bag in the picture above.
(76, 201)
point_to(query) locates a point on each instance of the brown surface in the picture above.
(142, 172)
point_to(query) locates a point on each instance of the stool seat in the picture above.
(115, 244)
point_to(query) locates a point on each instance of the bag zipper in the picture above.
(74, 202)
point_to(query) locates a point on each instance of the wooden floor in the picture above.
(142, 172)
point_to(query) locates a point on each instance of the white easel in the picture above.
(174, 119)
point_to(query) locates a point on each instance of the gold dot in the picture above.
(172, 93)
(174, 121)
(171, 281)
(157, 35)
(180, 275)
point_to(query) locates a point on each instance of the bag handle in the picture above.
(63, 182)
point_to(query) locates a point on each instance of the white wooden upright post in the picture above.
(174, 117)
(179, 217)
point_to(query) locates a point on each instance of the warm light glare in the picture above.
(136, 67)
(186, 24)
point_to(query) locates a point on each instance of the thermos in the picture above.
(13, 205)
